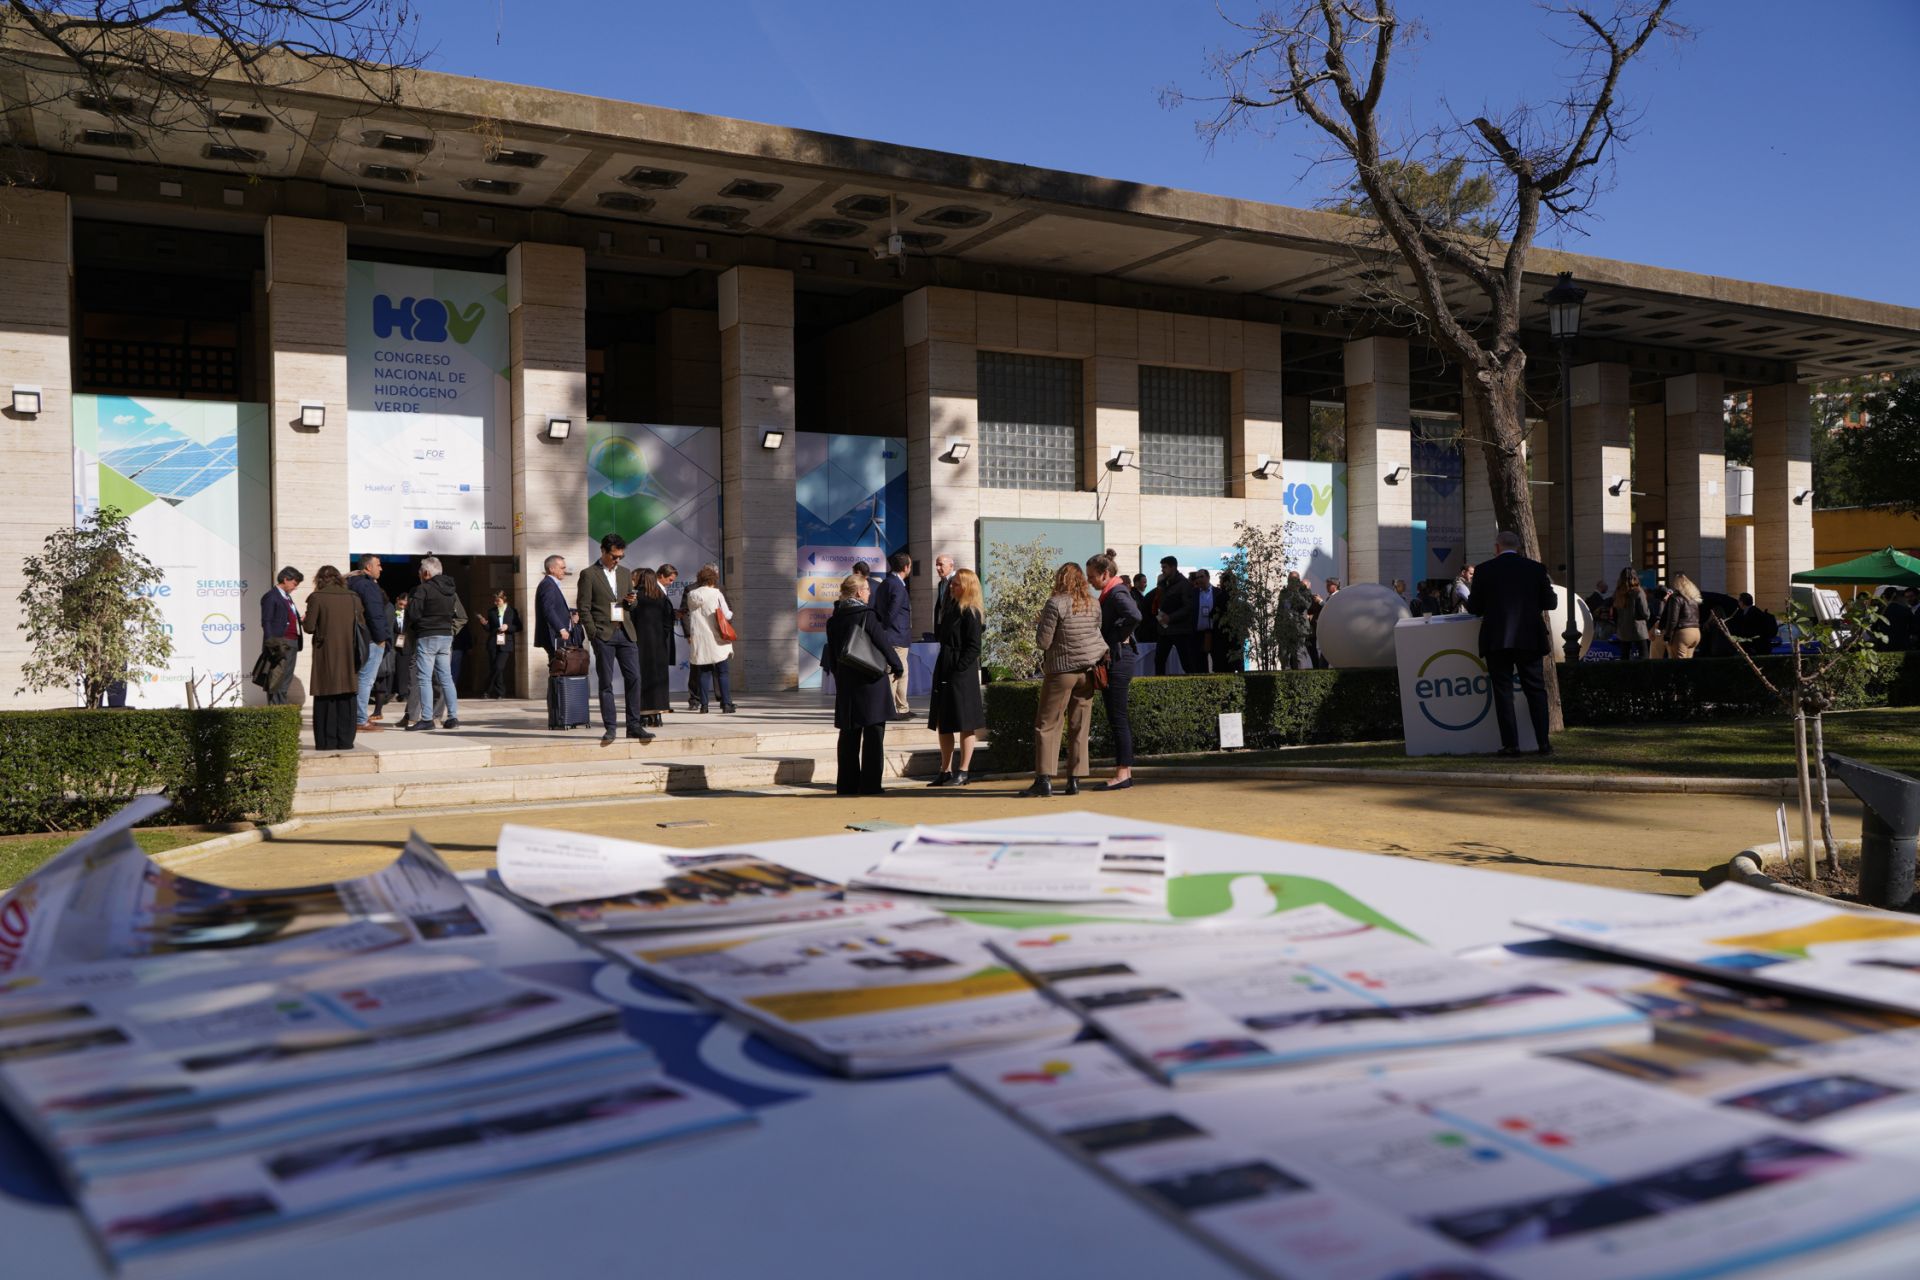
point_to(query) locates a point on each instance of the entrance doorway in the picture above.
(477, 578)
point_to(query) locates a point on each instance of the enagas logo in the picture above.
(16, 921)
(218, 628)
(1453, 690)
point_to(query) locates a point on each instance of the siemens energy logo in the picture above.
(1453, 690)
(425, 319)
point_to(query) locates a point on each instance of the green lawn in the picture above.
(20, 855)
(1728, 749)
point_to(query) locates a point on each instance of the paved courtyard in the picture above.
(1655, 843)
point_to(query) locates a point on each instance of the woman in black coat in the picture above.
(653, 624)
(1119, 619)
(956, 708)
(862, 700)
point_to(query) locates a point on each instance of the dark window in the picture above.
(1029, 422)
(1184, 425)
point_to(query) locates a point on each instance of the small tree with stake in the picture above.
(1022, 582)
(1259, 568)
(87, 609)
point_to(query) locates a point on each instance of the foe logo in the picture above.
(424, 319)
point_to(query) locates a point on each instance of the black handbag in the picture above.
(862, 655)
(362, 644)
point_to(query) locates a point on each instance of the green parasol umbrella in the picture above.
(1885, 568)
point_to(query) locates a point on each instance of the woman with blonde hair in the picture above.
(1068, 632)
(956, 710)
(1630, 615)
(1680, 619)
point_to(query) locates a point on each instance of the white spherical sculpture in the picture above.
(1557, 621)
(1356, 625)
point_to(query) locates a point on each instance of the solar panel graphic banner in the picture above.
(192, 478)
(429, 467)
(851, 495)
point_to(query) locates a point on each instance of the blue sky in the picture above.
(1773, 146)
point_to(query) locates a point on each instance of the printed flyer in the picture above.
(1104, 874)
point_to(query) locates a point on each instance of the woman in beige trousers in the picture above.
(1068, 632)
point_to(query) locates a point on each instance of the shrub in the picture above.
(1170, 715)
(1286, 708)
(60, 770)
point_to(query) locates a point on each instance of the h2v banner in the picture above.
(1315, 497)
(851, 504)
(428, 464)
(191, 476)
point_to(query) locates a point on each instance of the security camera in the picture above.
(895, 247)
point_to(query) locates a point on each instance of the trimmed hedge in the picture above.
(1178, 714)
(61, 770)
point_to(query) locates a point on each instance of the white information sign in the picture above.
(427, 398)
(1446, 699)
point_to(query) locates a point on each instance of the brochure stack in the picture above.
(1100, 875)
(205, 1064)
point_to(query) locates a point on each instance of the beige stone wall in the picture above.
(36, 270)
(1379, 440)
(1696, 479)
(757, 484)
(944, 330)
(1782, 470)
(1649, 474)
(1602, 450)
(306, 278)
(687, 367)
(546, 342)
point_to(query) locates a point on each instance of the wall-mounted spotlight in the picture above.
(1800, 498)
(313, 415)
(1616, 485)
(771, 439)
(559, 428)
(26, 401)
(1119, 459)
(1397, 475)
(956, 449)
(1267, 468)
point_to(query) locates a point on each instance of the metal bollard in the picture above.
(1888, 829)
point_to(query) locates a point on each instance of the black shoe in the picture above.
(944, 779)
(1040, 787)
(1547, 750)
(1508, 751)
(419, 726)
(1073, 786)
(1117, 784)
(730, 709)
(642, 737)
(450, 724)
(406, 724)
(703, 711)
(959, 778)
(606, 739)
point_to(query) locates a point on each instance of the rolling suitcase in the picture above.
(567, 705)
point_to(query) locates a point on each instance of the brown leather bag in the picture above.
(567, 662)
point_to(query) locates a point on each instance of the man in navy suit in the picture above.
(552, 625)
(893, 608)
(1511, 596)
(280, 633)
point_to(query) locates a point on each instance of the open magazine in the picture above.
(203, 1063)
(1091, 873)
(596, 884)
(1445, 1171)
(1302, 986)
(1748, 935)
(901, 989)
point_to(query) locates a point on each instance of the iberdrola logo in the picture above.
(425, 319)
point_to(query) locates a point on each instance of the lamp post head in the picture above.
(1563, 308)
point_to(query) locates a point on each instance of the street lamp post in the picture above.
(1563, 322)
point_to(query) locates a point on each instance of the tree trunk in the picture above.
(1819, 754)
(1498, 395)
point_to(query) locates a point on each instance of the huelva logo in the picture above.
(1307, 500)
(1462, 699)
(425, 319)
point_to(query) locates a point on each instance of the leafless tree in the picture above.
(165, 67)
(1327, 62)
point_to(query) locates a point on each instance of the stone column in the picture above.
(1297, 413)
(1477, 497)
(306, 278)
(36, 269)
(1379, 440)
(942, 380)
(1111, 420)
(1257, 412)
(1782, 471)
(1602, 460)
(547, 344)
(1649, 474)
(1696, 479)
(756, 483)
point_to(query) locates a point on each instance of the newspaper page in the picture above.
(1105, 874)
(1775, 940)
(1302, 986)
(596, 884)
(901, 989)
(1550, 1170)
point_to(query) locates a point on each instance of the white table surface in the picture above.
(909, 1177)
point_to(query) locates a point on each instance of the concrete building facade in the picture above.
(669, 268)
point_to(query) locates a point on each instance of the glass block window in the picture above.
(1184, 428)
(1029, 422)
